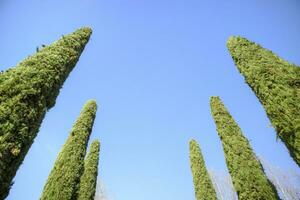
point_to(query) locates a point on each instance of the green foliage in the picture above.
(88, 180)
(204, 189)
(64, 178)
(276, 83)
(27, 91)
(248, 177)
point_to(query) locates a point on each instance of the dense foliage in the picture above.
(248, 177)
(64, 178)
(88, 180)
(204, 189)
(276, 83)
(27, 91)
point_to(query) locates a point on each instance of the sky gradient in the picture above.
(152, 66)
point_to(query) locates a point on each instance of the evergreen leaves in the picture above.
(204, 189)
(64, 178)
(88, 180)
(246, 172)
(276, 83)
(27, 91)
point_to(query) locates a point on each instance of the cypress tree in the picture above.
(248, 177)
(27, 91)
(88, 180)
(276, 83)
(204, 189)
(64, 178)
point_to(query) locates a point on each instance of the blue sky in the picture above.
(152, 66)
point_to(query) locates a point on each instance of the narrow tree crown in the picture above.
(27, 91)
(88, 180)
(248, 177)
(64, 178)
(276, 83)
(204, 189)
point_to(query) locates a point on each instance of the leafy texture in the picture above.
(276, 83)
(88, 180)
(248, 177)
(64, 178)
(204, 189)
(27, 91)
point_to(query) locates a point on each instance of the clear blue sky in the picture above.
(152, 66)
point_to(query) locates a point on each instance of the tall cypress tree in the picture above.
(276, 83)
(64, 178)
(27, 91)
(204, 189)
(248, 177)
(88, 180)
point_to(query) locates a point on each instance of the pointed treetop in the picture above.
(193, 143)
(46, 70)
(247, 54)
(95, 146)
(86, 118)
(90, 104)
